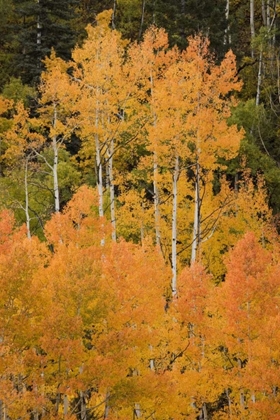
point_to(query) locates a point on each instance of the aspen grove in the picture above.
(139, 278)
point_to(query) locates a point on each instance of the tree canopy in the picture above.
(139, 234)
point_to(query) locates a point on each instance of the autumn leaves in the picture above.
(123, 311)
(76, 323)
(91, 328)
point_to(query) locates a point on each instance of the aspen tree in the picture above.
(150, 60)
(191, 132)
(104, 104)
(57, 96)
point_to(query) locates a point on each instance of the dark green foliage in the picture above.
(38, 27)
(6, 41)
(260, 150)
(181, 19)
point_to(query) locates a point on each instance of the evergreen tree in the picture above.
(180, 19)
(5, 40)
(40, 26)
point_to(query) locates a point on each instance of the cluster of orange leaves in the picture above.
(84, 324)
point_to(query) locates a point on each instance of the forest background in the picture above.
(140, 198)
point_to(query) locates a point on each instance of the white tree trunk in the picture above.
(155, 180)
(142, 19)
(112, 190)
(229, 403)
(27, 216)
(39, 28)
(204, 412)
(196, 223)
(99, 181)
(264, 12)
(278, 76)
(227, 38)
(137, 411)
(252, 23)
(268, 14)
(83, 406)
(65, 405)
(259, 82)
(107, 406)
(114, 14)
(174, 228)
(156, 201)
(55, 166)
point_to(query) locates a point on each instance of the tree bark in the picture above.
(107, 406)
(252, 24)
(155, 179)
(227, 38)
(65, 405)
(83, 406)
(39, 28)
(263, 12)
(156, 201)
(174, 227)
(55, 166)
(196, 224)
(142, 19)
(99, 182)
(112, 190)
(114, 14)
(137, 411)
(259, 82)
(229, 403)
(27, 200)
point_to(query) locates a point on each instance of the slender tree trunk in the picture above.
(57, 402)
(259, 82)
(39, 28)
(27, 216)
(112, 191)
(3, 411)
(154, 12)
(142, 19)
(55, 166)
(99, 181)
(203, 414)
(252, 24)
(83, 406)
(196, 224)
(229, 403)
(152, 361)
(114, 14)
(268, 14)
(107, 406)
(137, 411)
(278, 76)
(155, 179)
(227, 38)
(263, 12)
(65, 405)
(174, 228)
(156, 201)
